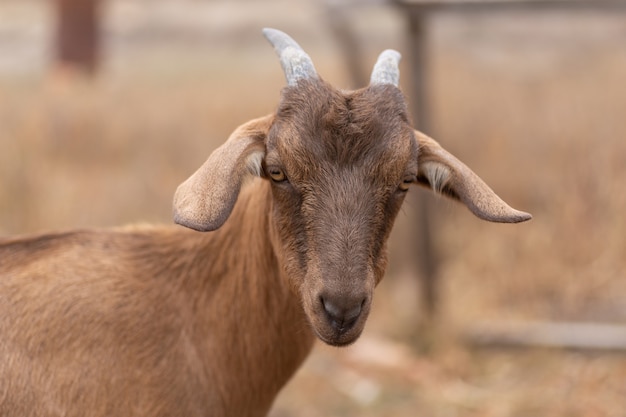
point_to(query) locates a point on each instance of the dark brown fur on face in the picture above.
(343, 166)
(164, 321)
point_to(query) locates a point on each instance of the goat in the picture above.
(166, 321)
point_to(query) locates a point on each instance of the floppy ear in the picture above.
(442, 172)
(205, 200)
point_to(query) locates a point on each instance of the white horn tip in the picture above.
(386, 68)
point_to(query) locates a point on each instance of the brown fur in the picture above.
(160, 321)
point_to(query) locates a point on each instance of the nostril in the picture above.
(353, 313)
(331, 309)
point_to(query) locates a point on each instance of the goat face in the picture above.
(339, 165)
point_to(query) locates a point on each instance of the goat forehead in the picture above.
(317, 125)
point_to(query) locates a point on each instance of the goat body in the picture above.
(149, 321)
(165, 321)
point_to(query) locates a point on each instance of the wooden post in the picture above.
(77, 37)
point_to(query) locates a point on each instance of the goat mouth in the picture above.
(338, 339)
(338, 336)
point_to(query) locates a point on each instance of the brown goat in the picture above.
(166, 321)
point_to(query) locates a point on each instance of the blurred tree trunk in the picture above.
(78, 37)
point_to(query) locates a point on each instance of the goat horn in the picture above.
(386, 68)
(296, 63)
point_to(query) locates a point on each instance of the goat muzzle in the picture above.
(339, 319)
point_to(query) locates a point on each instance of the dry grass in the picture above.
(549, 139)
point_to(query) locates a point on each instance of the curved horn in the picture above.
(296, 63)
(386, 68)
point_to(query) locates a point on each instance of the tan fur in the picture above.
(148, 321)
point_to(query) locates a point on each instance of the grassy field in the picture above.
(539, 113)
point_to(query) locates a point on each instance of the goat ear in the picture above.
(205, 200)
(440, 171)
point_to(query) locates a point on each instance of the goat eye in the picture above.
(276, 174)
(406, 183)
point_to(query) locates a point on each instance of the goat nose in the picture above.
(342, 314)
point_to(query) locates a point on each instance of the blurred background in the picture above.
(98, 127)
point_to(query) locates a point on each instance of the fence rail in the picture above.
(507, 5)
